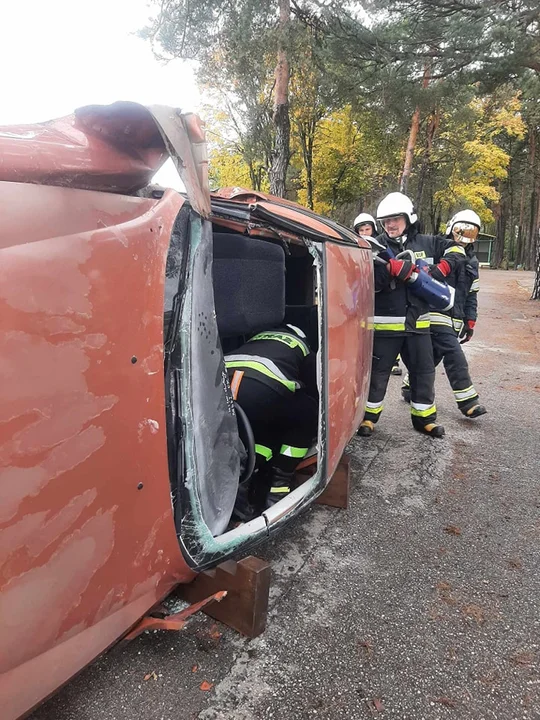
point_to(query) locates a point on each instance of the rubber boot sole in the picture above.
(365, 429)
(475, 411)
(432, 430)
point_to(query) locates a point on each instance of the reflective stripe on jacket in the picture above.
(397, 309)
(464, 279)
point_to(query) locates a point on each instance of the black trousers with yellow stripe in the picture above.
(284, 426)
(446, 347)
(417, 353)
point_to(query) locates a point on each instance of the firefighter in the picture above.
(364, 224)
(401, 321)
(273, 379)
(447, 327)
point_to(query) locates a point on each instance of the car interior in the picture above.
(258, 283)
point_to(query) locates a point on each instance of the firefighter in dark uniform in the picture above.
(364, 224)
(447, 326)
(273, 378)
(401, 321)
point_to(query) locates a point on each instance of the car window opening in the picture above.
(257, 285)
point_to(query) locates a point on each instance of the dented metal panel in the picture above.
(87, 534)
(349, 287)
(113, 148)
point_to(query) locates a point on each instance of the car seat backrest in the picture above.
(249, 284)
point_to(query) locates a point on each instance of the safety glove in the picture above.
(400, 269)
(467, 331)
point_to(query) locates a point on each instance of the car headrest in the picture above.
(249, 284)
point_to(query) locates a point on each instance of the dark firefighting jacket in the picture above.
(464, 277)
(397, 309)
(277, 358)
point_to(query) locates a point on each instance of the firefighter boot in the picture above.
(244, 508)
(279, 485)
(431, 429)
(366, 428)
(396, 368)
(475, 411)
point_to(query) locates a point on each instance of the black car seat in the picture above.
(249, 284)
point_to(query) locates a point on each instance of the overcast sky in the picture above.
(57, 55)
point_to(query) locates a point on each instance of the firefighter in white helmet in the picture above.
(364, 224)
(401, 321)
(446, 327)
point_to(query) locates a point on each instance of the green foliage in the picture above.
(353, 155)
(228, 168)
(358, 73)
(476, 160)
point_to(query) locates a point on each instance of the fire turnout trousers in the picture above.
(284, 426)
(446, 347)
(417, 353)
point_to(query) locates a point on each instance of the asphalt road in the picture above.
(421, 601)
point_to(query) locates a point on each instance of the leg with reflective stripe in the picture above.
(386, 348)
(457, 371)
(418, 356)
(261, 405)
(297, 422)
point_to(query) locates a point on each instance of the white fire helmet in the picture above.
(364, 219)
(464, 227)
(396, 203)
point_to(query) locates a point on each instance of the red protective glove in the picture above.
(401, 269)
(441, 271)
(467, 331)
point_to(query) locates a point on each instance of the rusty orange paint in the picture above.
(87, 536)
(350, 312)
(85, 552)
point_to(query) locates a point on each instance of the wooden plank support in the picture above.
(247, 583)
(336, 493)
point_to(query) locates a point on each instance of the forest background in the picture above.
(334, 104)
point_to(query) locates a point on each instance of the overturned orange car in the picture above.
(120, 448)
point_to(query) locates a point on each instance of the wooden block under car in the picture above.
(245, 606)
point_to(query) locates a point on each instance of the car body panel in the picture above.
(349, 278)
(290, 210)
(112, 148)
(82, 425)
(87, 535)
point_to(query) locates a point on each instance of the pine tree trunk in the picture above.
(307, 138)
(519, 244)
(433, 124)
(282, 123)
(498, 250)
(535, 241)
(411, 143)
(534, 229)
